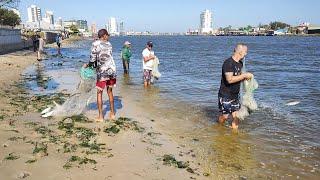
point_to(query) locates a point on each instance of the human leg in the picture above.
(235, 120)
(99, 104)
(111, 102)
(146, 77)
(222, 118)
(125, 66)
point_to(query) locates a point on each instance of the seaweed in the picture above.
(31, 124)
(40, 148)
(113, 129)
(83, 133)
(76, 159)
(69, 147)
(170, 160)
(43, 130)
(31, 161)
(122, 123)
(80, 118)
(11, 156)
(14, 138)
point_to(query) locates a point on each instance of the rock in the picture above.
(206, 174)
(23, 175)
(243, 178)
(5, 145)
(263, 165)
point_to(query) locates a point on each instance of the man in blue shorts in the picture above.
(228, 96)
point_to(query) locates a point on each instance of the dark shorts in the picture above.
(228, 106)
(103, 84)
(147, 75)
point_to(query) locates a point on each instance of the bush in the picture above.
(9, 18)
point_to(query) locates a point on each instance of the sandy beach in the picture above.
(134, 146)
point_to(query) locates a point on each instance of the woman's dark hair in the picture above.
(102, 32)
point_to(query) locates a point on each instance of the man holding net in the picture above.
(229, 100)
(102, 60)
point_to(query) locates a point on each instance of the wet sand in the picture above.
(78, 148)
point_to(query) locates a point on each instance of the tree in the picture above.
(9, 18)
(74, 29)
(9, 3)
(278, 25)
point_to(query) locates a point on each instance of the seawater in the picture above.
(277, 141)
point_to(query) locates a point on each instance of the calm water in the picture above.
(277, 141)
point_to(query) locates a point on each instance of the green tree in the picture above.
(9, 18)
(278, 25)
(74, 29)
(9, 3)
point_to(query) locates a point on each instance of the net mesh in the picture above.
(76, 103)
(248, 103)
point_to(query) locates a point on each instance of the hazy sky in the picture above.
(180, 15)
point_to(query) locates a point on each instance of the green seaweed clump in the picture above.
(11, 156)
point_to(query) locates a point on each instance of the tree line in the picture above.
(9, 17)
(276, 25)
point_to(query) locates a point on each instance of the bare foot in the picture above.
(111, 116)
(99, 119)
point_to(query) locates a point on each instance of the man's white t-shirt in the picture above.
(149, 64)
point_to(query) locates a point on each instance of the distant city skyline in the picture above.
(178, 16)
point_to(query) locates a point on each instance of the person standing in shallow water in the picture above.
(125, 56)
(228, 97)
(58, 42)
(102, 60)
(147, 60)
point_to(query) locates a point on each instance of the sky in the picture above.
(179, 15)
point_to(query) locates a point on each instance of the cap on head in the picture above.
(127, 43)
(150, 43)
(102, 32)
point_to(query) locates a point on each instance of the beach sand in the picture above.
(78, 148)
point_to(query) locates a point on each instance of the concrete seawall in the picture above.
(10, 40)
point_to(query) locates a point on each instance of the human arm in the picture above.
(233, 79)
(147, 56)
(93, 55)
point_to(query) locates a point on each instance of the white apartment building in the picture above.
(206, 22)
(34, 14)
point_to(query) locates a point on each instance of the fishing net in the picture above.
(155, 69)
(78, 101)
(248, 103)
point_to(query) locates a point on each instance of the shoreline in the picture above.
(140, 150)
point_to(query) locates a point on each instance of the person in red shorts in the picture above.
(102, 60)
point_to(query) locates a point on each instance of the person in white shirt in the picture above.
(41, 48)
(148, 60)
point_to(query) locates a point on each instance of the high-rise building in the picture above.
(82, 25)
(206, 23)
(34, 14)
(49, 17)
(112, 26)
(59, 21)
(121, 28)
(47, 21)
(94, 28)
